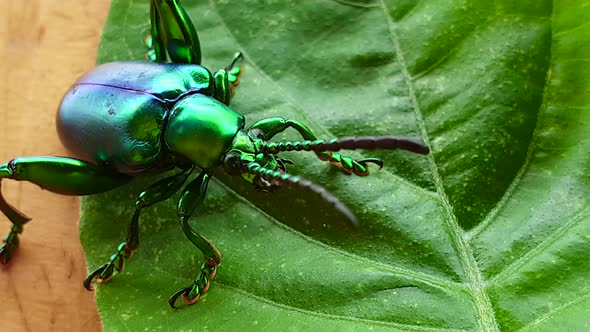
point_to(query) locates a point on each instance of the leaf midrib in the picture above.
(475, 280)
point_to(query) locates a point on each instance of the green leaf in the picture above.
(490, 232)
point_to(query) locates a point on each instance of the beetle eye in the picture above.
(256, 133)
(231, 164)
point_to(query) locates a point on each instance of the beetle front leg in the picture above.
(269, 127)
(67, 176)
(191, 198)
(155, 193)
(227, 79)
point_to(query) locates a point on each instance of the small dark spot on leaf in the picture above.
(374, 59)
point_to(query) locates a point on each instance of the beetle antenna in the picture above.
(348, 143)
(293, 180)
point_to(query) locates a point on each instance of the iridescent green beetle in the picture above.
(126, 119)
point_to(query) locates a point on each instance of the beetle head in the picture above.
(250, 158)
(247, 150)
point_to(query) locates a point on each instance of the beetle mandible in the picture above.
(127, 119)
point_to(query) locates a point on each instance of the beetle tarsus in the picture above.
(174, 297)
(10, 245)
(93, 275)
(105, 272)
(234, 72)
(192, 293)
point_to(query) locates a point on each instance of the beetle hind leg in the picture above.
(60, 175)
(172, 34)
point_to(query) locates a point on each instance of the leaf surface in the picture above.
(489, 232)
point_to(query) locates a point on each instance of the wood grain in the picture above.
(45, 45)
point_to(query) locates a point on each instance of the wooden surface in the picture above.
(45, 45)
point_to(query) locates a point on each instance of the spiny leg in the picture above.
(227, 79)
(11, 240)
(192, 197)
(173, 34)
(269, 127)
(155, 193)
(67, 176)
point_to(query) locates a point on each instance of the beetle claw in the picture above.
(174, 297)
(106, 271)
(375, 161)
(190, 301)
(186, 296)
(6, 253)
(10, 245)
(286, 161)
(237, 56)
(191, 294)
(95, 275)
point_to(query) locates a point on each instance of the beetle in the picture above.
(140, 118)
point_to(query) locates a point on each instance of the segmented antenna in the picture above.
(348, 143)
(293, 180)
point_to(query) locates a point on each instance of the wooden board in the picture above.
(45, 45)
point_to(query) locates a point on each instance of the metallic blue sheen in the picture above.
(115, 128)
(163, 80)
(116, 114)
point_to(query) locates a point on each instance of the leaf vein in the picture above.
(548, 314)
(354, 4)
(475, 281)
(366, 321)
(580, 26)
(521, 172)
(447, 56)
(554, 236)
